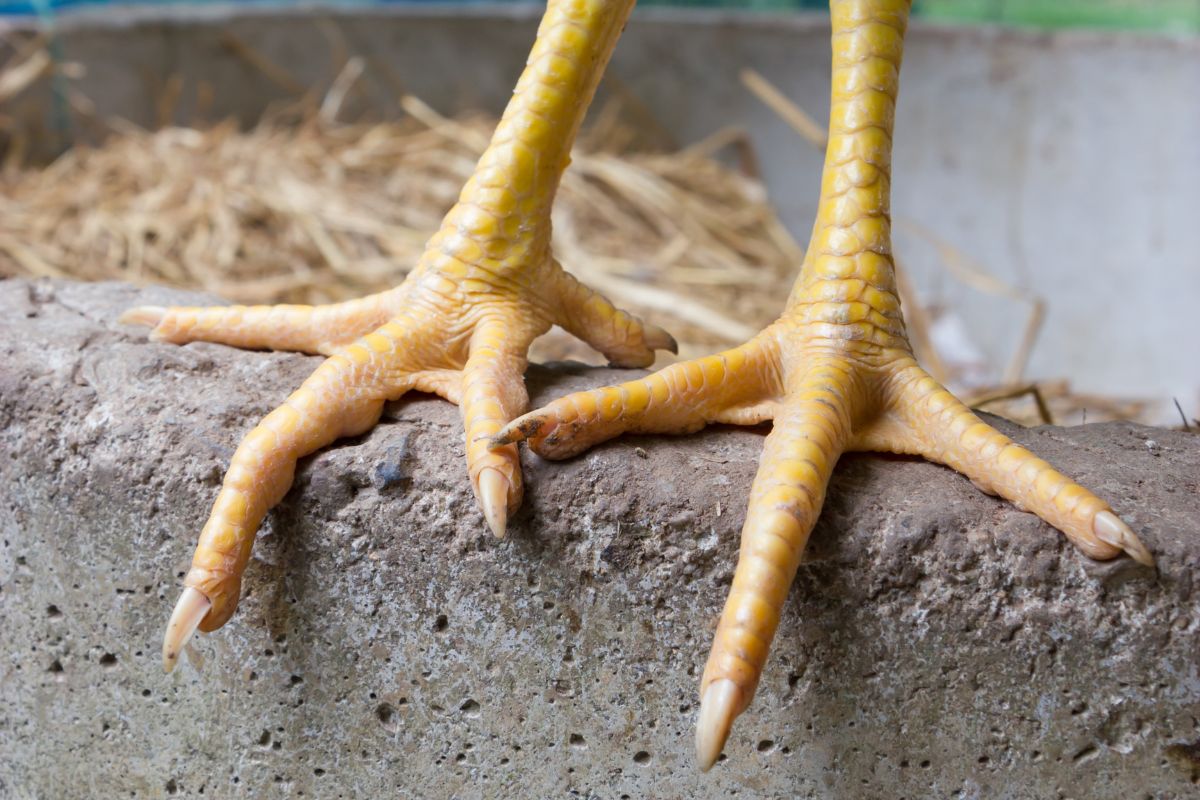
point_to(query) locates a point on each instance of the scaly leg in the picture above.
(459, 326)
(835, 373)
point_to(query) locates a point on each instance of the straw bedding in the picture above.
(304, 208)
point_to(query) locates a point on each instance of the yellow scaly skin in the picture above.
(459, 326)
(834, 373)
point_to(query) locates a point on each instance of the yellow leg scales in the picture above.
(835, 373)
(460, 325)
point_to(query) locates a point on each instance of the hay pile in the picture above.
(301, 209)
(304, 208)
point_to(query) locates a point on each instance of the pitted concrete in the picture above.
(937, 643)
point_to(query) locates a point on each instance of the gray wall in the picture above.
(1067, 163)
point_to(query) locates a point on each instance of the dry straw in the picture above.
(305, 208)
(302, 208)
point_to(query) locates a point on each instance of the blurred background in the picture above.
(1045, 188)
(1156, 15)
(1162, 15)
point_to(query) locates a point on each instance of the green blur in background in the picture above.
(1164, 16)
(1179, 16)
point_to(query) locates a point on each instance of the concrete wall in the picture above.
(937, 643)
(1067, 163)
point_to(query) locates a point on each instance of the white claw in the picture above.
(190, 609)
(493, 497)
(718, 707)
(1109, 528)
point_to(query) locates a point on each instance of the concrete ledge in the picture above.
(938, 643)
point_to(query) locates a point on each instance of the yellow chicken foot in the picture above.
(459, 326)
(835, 373)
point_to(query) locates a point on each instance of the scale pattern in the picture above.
(834, 373)
(459, 326)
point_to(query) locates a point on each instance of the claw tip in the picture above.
(718, 707)
(672, 346)
(519, 430)
(493, 498)
(501, 439)
(192, 607)
(657, 338)
(1110, 529)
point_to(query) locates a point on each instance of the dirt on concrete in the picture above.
(937, 643)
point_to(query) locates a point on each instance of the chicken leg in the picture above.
(834, 373)
(459, 326)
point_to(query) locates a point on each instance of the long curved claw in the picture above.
(1109, 528)
(493, 498)
(189, 610)
(718, 708)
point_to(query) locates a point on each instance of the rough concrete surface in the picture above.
(937, 643)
